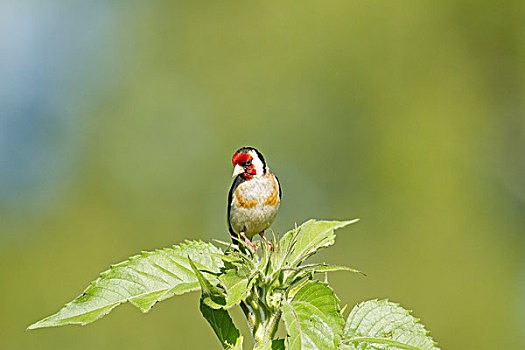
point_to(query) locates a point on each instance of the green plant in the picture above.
(270, 287)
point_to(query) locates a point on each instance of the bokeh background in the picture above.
(118, 121)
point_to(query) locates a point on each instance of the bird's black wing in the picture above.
(238, 180)
(279, 184)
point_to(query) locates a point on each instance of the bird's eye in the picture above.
(248, 163)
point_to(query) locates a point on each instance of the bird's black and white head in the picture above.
(249, 163)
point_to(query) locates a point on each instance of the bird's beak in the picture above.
(237, 170)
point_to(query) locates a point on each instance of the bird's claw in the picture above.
(253, 246)
(270, 245)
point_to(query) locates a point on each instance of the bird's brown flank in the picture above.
(243, 203)
(273, 199)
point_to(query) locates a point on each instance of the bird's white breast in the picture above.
(252, 209)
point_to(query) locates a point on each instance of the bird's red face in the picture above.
(243, 165)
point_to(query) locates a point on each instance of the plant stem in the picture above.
(273, 325)
(248, 314)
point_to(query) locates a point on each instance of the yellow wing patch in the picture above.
(243, 203)
(273, 199)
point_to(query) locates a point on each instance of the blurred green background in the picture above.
(118, 121)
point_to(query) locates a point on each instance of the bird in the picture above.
(254, 197)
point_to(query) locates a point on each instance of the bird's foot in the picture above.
(266, 240)
(249, 243)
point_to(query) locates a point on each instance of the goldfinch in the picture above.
(254, 196)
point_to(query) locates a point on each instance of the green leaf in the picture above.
(382, 324)
(312, 317)
(304, 271)
(142, 280)
(309, 238)
(211, 295)
(212, 303)
(319, 268)
(223, 326)
(236, 285)
(276, 344)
